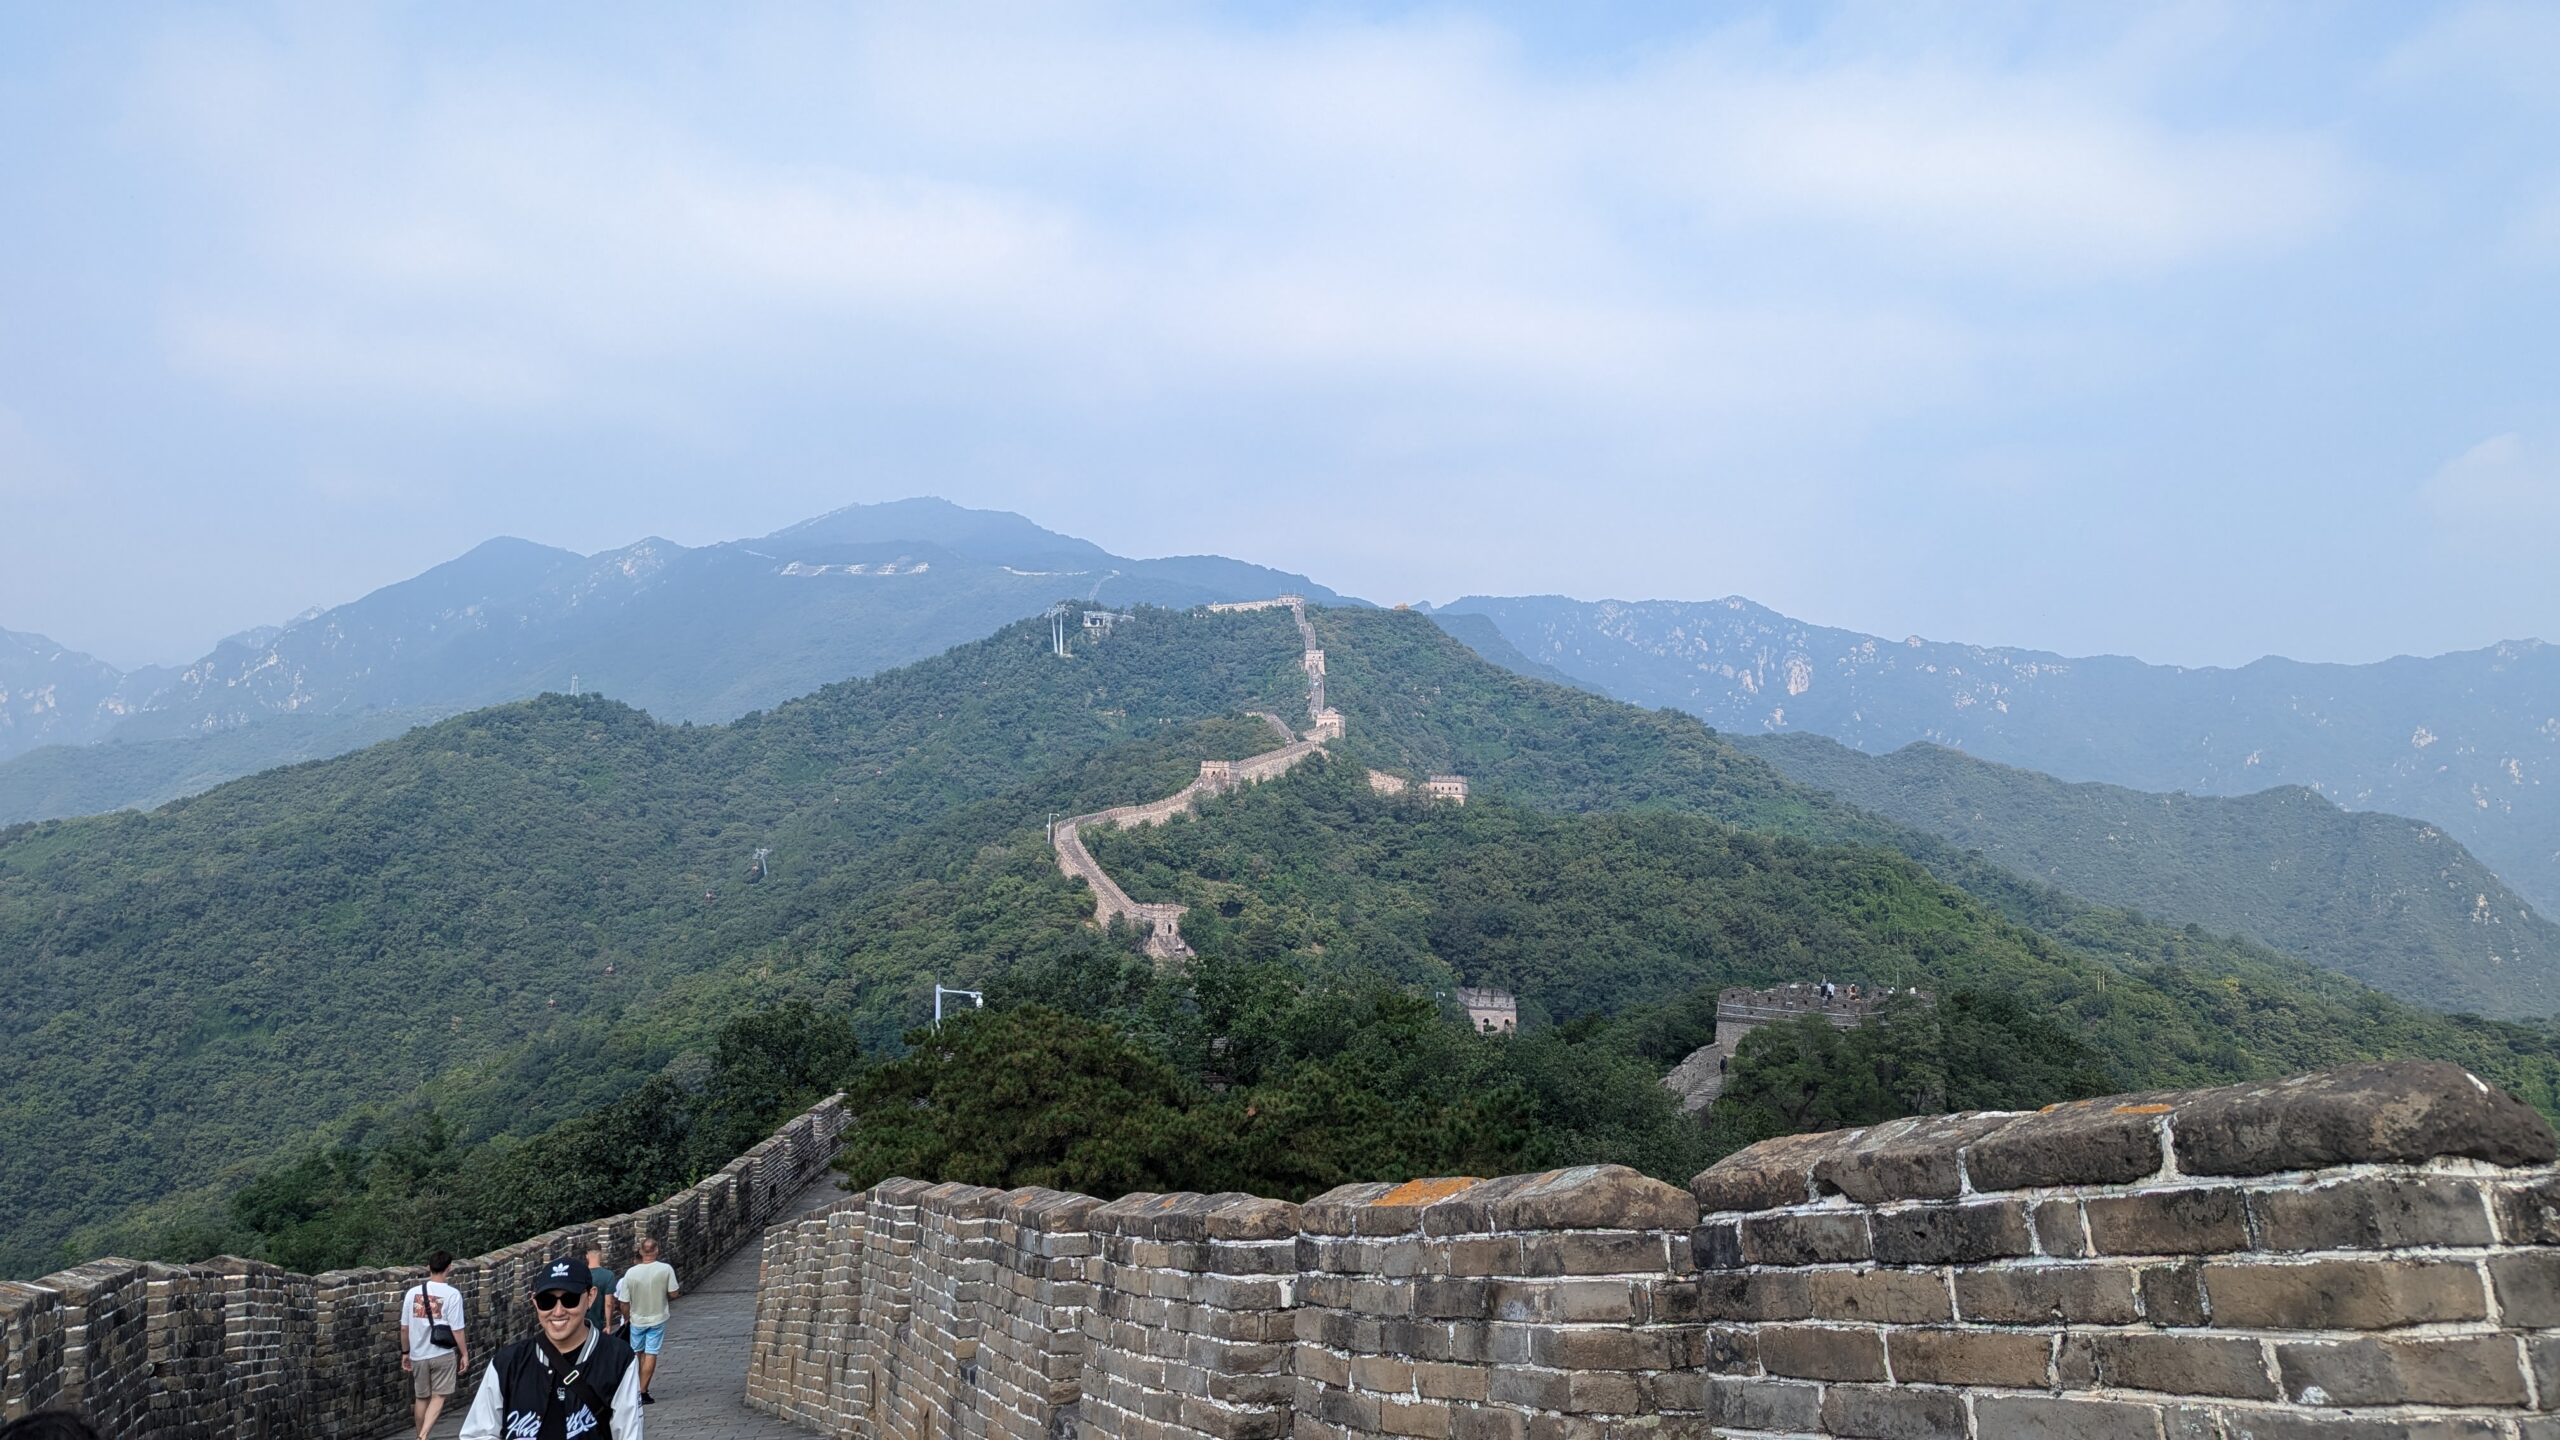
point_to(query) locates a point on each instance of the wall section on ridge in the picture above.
(2364, 1253)
(238, 1348)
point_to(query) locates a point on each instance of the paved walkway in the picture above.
(702, 1379)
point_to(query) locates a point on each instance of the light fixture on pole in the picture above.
(940, 990)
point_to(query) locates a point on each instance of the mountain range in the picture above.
(699, 634)
(520, 911)
(2468, 741)
(2394, 902)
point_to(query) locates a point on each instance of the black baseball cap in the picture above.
(565, 1273)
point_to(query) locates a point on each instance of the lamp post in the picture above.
(940, 990)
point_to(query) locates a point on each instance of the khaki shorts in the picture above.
(439, 1376)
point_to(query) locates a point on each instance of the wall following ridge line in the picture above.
(2363, 1253)
(236, 1348)
(1162, 923)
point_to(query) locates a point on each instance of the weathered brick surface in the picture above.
(2358, 1257)
(234, 1348)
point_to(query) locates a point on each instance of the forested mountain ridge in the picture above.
(686, 633)
(473, 907)
(2468, 741)
(522, 911)
(2396, 903)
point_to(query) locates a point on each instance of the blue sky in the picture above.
(2193, 332)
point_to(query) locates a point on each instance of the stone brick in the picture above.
(2400, 1110)
(1891, 1412)
(1595, 1197)
(1911, 1159)
(2528, 1287)
(2087, 1142)
(2003, 1417)
(1750, 1404)
(1951, 1234)
(2528, 1212)
(2168, 1222)
(2170, 1364)
(2269, 1424)
(1717, 1245)
(2059, 1232)
(1617, 1252)
(2371, 1213)
(2012, 1359)
(1894, 1297)
(2173, 1294)
(1816, 1352)
(2470, 1370)
(1768, 1175)
(1755, 1295)
(2363, 1294)
(1813, 1238)
(2048, 1294)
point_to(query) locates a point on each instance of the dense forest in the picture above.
(2396, 903)
(513, 917)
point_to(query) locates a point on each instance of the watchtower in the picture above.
(1452, 788)
(1490, 1012)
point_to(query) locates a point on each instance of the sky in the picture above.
(2194, 332)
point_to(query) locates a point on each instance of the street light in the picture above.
(940, 990)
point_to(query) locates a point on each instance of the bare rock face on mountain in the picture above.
(2468, 741)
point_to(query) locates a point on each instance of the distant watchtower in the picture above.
(1452, 788)
(1699, 1079)
(1490, 1012)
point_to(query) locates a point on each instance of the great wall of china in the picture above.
(2366, 1254)
(235, 1349)
(1161, 924)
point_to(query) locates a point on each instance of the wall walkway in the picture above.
(2361, 1254)
(236, 1348)
(1162, 923)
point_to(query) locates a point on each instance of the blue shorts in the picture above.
(647, 1339)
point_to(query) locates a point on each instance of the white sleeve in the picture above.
(482, 1422)
(622, 1289)
(453, 1302)
(674, 1286)
(626, 1404)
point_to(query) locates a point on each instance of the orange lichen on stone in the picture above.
(2144, 1109)
(1423, 1192)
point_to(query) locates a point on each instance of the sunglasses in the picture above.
(558, 1300)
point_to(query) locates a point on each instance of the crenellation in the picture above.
(239, 1348)
(2336, 1282)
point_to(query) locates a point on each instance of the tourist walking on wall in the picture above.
(645, 1290)
(605, 1313)
(433, 1349)
(566, 1380)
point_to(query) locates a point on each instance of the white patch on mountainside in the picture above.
(899, 566)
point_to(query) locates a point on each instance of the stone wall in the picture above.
(2367, 1253)
(236, 1348)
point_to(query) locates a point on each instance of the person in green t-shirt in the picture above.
(605, 1313)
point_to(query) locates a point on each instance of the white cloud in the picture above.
(1184, 208)
(2502, 486)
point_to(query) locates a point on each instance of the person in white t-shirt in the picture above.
(644, 1291)
(435, 1371)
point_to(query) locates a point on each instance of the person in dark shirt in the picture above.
(606, 1313)
(567, 1380)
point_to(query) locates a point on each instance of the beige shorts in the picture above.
(439, 1376)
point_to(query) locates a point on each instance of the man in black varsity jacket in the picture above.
(566, 1382)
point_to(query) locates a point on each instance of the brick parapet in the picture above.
(2368, 1252)
(237, 1348)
